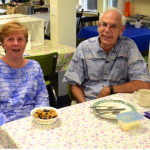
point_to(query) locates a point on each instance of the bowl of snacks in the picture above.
(44, 115)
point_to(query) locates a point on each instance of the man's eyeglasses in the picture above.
(111, 27)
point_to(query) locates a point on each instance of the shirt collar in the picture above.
(115, 48)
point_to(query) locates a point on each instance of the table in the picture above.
(88, 32)
(65, 53)
(77, 128)
(141, 36)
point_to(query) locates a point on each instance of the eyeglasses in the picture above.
(111, 27)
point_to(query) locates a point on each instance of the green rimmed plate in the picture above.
(115, 103)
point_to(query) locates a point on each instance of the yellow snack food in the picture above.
(45, 114)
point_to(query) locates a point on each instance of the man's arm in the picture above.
(78, 93)
(128, 87)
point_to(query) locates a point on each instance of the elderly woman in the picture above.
(22, 83)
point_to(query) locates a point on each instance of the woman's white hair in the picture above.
(123, 22)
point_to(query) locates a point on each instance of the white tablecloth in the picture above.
(46, 17)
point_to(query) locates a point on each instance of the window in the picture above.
(112, 3)
(88, 4)
(4, 1)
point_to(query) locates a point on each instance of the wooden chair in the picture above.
(48, 64)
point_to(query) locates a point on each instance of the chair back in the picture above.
(78, 16)
(89, 20)
(48, 64)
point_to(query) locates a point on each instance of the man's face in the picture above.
(109, 29)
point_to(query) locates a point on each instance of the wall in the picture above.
(77, 1)
(142, 7)
(63, 21)
(139, 6)
(100, 6)
(53, 20)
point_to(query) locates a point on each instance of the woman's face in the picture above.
(14, 44)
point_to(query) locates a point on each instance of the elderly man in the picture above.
(107, 64)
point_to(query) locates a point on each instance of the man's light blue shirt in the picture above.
(93, 69)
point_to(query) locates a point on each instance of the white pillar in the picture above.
(63, 21)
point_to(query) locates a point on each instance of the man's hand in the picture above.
(104, 92)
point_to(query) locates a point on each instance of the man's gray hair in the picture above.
(123, 22)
